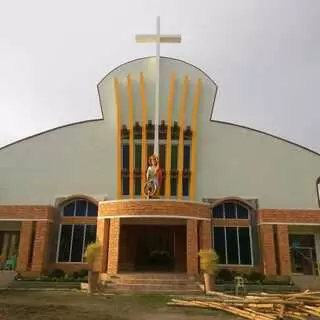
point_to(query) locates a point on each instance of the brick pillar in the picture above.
(284, 252)
(41, 247)
(192, 247)
(113, 252)
(24, 246)
(268, 250)
(100, 264)
(205, 235)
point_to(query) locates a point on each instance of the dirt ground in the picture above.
(26, 305)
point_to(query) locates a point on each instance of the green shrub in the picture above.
(83, 273)
(57, 273)
(255, 276)
(75, 275)
(225, 275)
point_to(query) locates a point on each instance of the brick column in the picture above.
(205, 235)
(284, 252)
(113, 252)
(24, 246)
(100, 264)
(192, 247)
(41, 247)
(268, 250)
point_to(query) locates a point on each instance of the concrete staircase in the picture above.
(150, 283)
(305, 282)
(6, 278)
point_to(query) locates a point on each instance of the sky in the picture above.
(263, 54)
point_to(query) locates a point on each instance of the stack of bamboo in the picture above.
(260, 306)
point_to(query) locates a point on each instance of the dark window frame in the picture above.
(91, 209)
(66, 254)
(243, 259)
(219, 211)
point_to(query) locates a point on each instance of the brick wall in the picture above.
(192, 247)
(289, 216)
(42, 216)
(24, 246)
(154, 207)
(268, 250)
(41, 247)
(113, 251)
(205, 234)
(283, 248)
(26, 212)
(103, 227)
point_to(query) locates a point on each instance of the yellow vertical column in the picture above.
(194, 124)
(144, 132)
(183, 102)
(167, 189)
(131, 137)
(118, 135)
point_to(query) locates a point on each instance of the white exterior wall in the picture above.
(232, 161)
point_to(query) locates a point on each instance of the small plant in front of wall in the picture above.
(91, 254)
(208, 264)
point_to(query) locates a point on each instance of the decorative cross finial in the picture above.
(157, 38)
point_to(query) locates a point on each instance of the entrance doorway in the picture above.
(152, 248)
(155, 250)
(303, 253)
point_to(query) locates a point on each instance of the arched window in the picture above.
(230, 210)
(74, 237)
(233, 244)
(80, 208)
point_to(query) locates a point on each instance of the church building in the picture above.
(251, 196)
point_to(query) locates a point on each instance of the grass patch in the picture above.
(50, 305)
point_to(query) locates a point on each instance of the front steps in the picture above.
(150, 283)
(305, 282)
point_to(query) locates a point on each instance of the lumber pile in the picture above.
(260, 306)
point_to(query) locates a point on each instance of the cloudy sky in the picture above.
(264, 55)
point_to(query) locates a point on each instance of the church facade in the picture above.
(250, 196)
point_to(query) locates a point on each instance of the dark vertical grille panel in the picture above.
(65, 243)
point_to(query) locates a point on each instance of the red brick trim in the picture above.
(157, 208)
(288, 216)
(25, 213)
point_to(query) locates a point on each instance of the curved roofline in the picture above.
(267, 134)
(211, 120)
